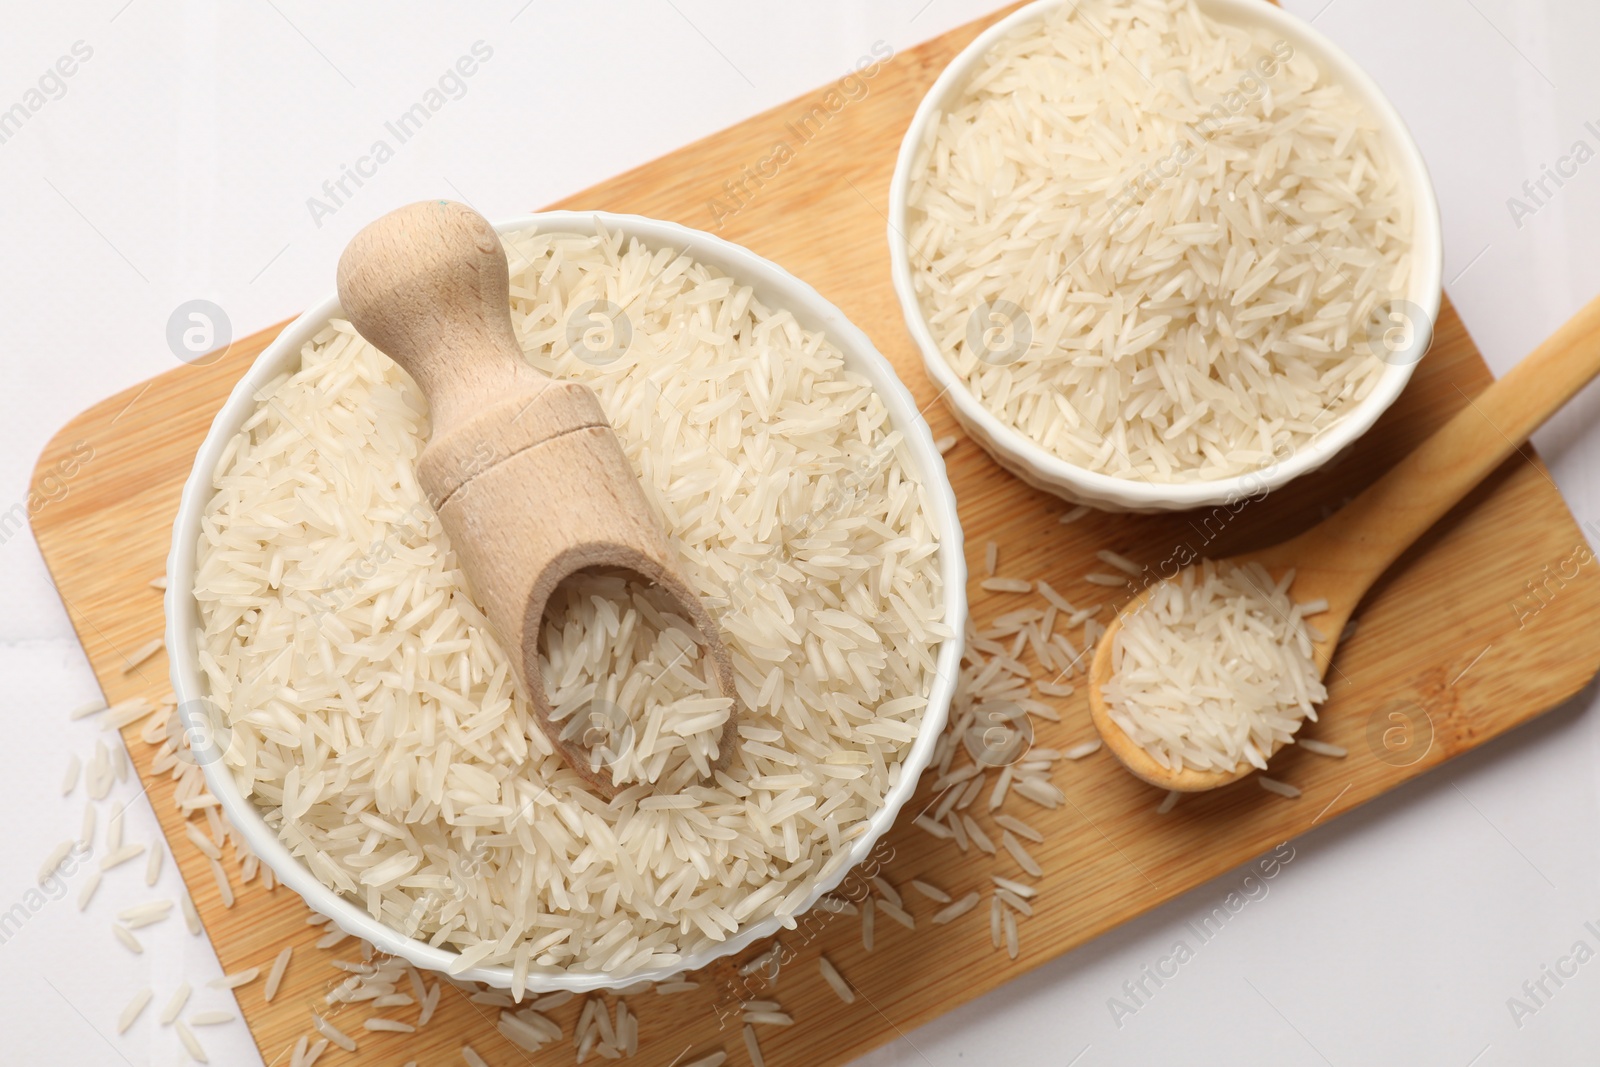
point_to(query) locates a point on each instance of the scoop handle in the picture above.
(429, 285)
(1368, 534)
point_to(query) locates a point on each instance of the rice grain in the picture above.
(835, 980)
(132, 1011)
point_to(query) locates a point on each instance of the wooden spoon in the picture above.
(527, 476)
(1340, 558)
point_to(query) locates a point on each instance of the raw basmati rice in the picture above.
(835, 980)
(236, 979)
(275, 976)
(392, 1026)
(200, 841)
(429, 1006)
(90, 884)
(1021, 890)
(1150, 326)
(125, 713)
(191, 1043)
(127, 938)
(1006, 585)
(331, 938)
(1214, 669)
(785, 491)
(131, 1012)
(114, 828)
(609, 643)
(959, 830)
(527, 1029)
(956, 910)
(1020, 854)
(142, 653)
(1018, 827)
(1040, 792)
(753, 1047)
(83, 711)
(174, 1008)
(898, 914)
(976, 834)
(122, 855)
(764, 962)
(1122, 563)
(393, 1000)
(1283, 789)
(52, 862)
(224, 887)
(666, 989)
(334, 1034)
(144, 914)
(1014, 902)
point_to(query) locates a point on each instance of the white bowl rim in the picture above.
(814, 311)
(1425, 287)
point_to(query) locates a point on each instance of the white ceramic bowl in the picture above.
(1044, 470)
(775, 287)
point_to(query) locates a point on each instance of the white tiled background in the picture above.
(177, 164)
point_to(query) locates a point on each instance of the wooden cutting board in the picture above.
(1485, 624)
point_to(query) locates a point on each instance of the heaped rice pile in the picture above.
(624, 674)
(1215, 668)
(375, 722)
(1152, 243)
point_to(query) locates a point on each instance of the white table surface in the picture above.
(177, 164)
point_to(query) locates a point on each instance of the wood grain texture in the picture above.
(1482, 625)
(1337, 560)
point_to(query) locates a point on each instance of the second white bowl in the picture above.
(1043, 469)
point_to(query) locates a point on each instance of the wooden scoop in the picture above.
(1341, 557)
(527, 476)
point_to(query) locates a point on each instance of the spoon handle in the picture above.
(1364, 537)
(427, 284)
